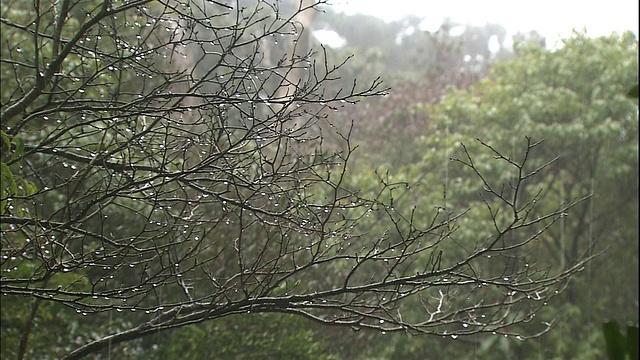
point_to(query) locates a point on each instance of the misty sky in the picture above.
(554, 19)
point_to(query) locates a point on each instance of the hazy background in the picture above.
(552, 19)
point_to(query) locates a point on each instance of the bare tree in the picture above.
(153, 163)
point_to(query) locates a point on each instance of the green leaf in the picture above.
(19, 150)
(633, 92)
(8, 186)
(6, 141)
(4, 135)
(632, 339)
(11, 187)
(30, 188)
(615, 341)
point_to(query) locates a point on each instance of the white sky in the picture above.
(554, 19)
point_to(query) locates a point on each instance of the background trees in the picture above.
(169, 163)
(575, 99)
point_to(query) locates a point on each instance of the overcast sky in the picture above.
(554, 19)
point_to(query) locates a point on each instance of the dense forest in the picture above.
(207, 180)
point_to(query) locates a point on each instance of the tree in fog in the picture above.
(575, 99)
(165, 163)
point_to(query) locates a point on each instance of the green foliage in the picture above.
(633, 92)
(255, 336)
(56, 329)
(12, 185)
(573, 98)
(619, 346)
